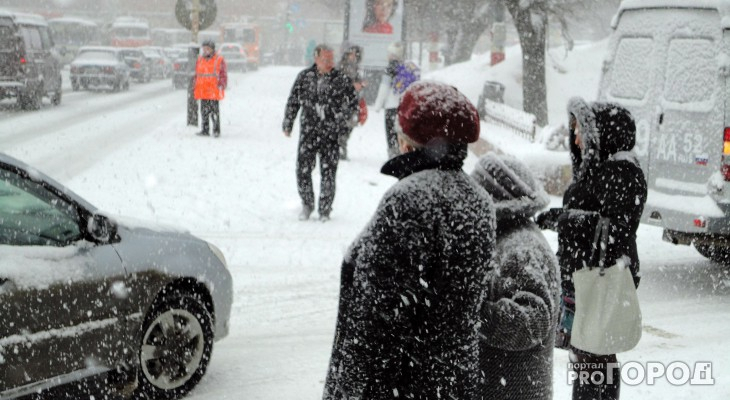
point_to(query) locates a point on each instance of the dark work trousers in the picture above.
(328, 152)
(600, 382)
(210, 109)
(391, 136)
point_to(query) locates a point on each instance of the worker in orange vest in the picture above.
(211, 80)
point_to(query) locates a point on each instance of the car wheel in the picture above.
(31, 100)
(56, 97)
(718, 254)
(176, 345)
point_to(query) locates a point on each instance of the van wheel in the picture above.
(175, 351)
(718, 254)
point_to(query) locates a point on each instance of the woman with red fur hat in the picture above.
(411, 284)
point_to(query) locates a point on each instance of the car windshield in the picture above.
(96, 55)
(232, 53)
(132, 53)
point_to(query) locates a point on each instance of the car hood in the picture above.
(94, 63)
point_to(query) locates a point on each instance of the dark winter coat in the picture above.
(349, 67)
(412, 286)
(520, 310)
(327, 102)
(607, 183)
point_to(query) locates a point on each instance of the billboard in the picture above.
(374, 25)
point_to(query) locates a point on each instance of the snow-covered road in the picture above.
(131, 154)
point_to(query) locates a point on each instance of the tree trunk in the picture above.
(466, 21)
(531, 24)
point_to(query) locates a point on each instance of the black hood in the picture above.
(606, 129)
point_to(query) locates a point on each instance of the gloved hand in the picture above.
(549, 218)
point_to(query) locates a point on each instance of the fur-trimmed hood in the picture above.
(606, 129)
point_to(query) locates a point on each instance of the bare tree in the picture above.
(530, 19)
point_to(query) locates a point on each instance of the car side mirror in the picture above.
(101, 228)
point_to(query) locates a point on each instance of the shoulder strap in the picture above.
(600, 242)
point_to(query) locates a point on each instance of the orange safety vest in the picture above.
(206, 79)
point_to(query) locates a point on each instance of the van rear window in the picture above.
(631, 77)
(7, 38)
(692, 70)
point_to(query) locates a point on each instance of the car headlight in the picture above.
(218, 253)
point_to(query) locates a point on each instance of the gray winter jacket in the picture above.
(412, 286)
(520, 311)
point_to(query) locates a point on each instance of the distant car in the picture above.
(140, 64)
(85, 295)
(101, 66)
(235, 56)
(30, 65)
(161, 64)
(182, 71)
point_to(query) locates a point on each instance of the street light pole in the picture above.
(192, 61)
(195, 18)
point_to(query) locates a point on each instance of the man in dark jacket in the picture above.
(327, 98)
(608, 184)
(412, 282)
(520, 309)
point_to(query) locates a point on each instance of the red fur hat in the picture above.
(432, 111)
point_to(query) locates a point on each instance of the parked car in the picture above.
(30, 65)
(140, 64)
(182, 71)
(235, 56)
(101, 66)
(84, 294)
(667, 64)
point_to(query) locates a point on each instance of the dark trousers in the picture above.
(210, 109)
(328, 152)
(391, 137)
(603, 383)
(343, 143)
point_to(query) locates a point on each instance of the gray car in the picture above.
(83, 294)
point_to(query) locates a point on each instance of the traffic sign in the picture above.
(208, 12)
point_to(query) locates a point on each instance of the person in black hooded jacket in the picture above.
(607, 183)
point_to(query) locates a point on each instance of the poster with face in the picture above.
(374, 25)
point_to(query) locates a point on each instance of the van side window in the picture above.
(631, 76)
(46, 39)
(32, 38)
(692, 70)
